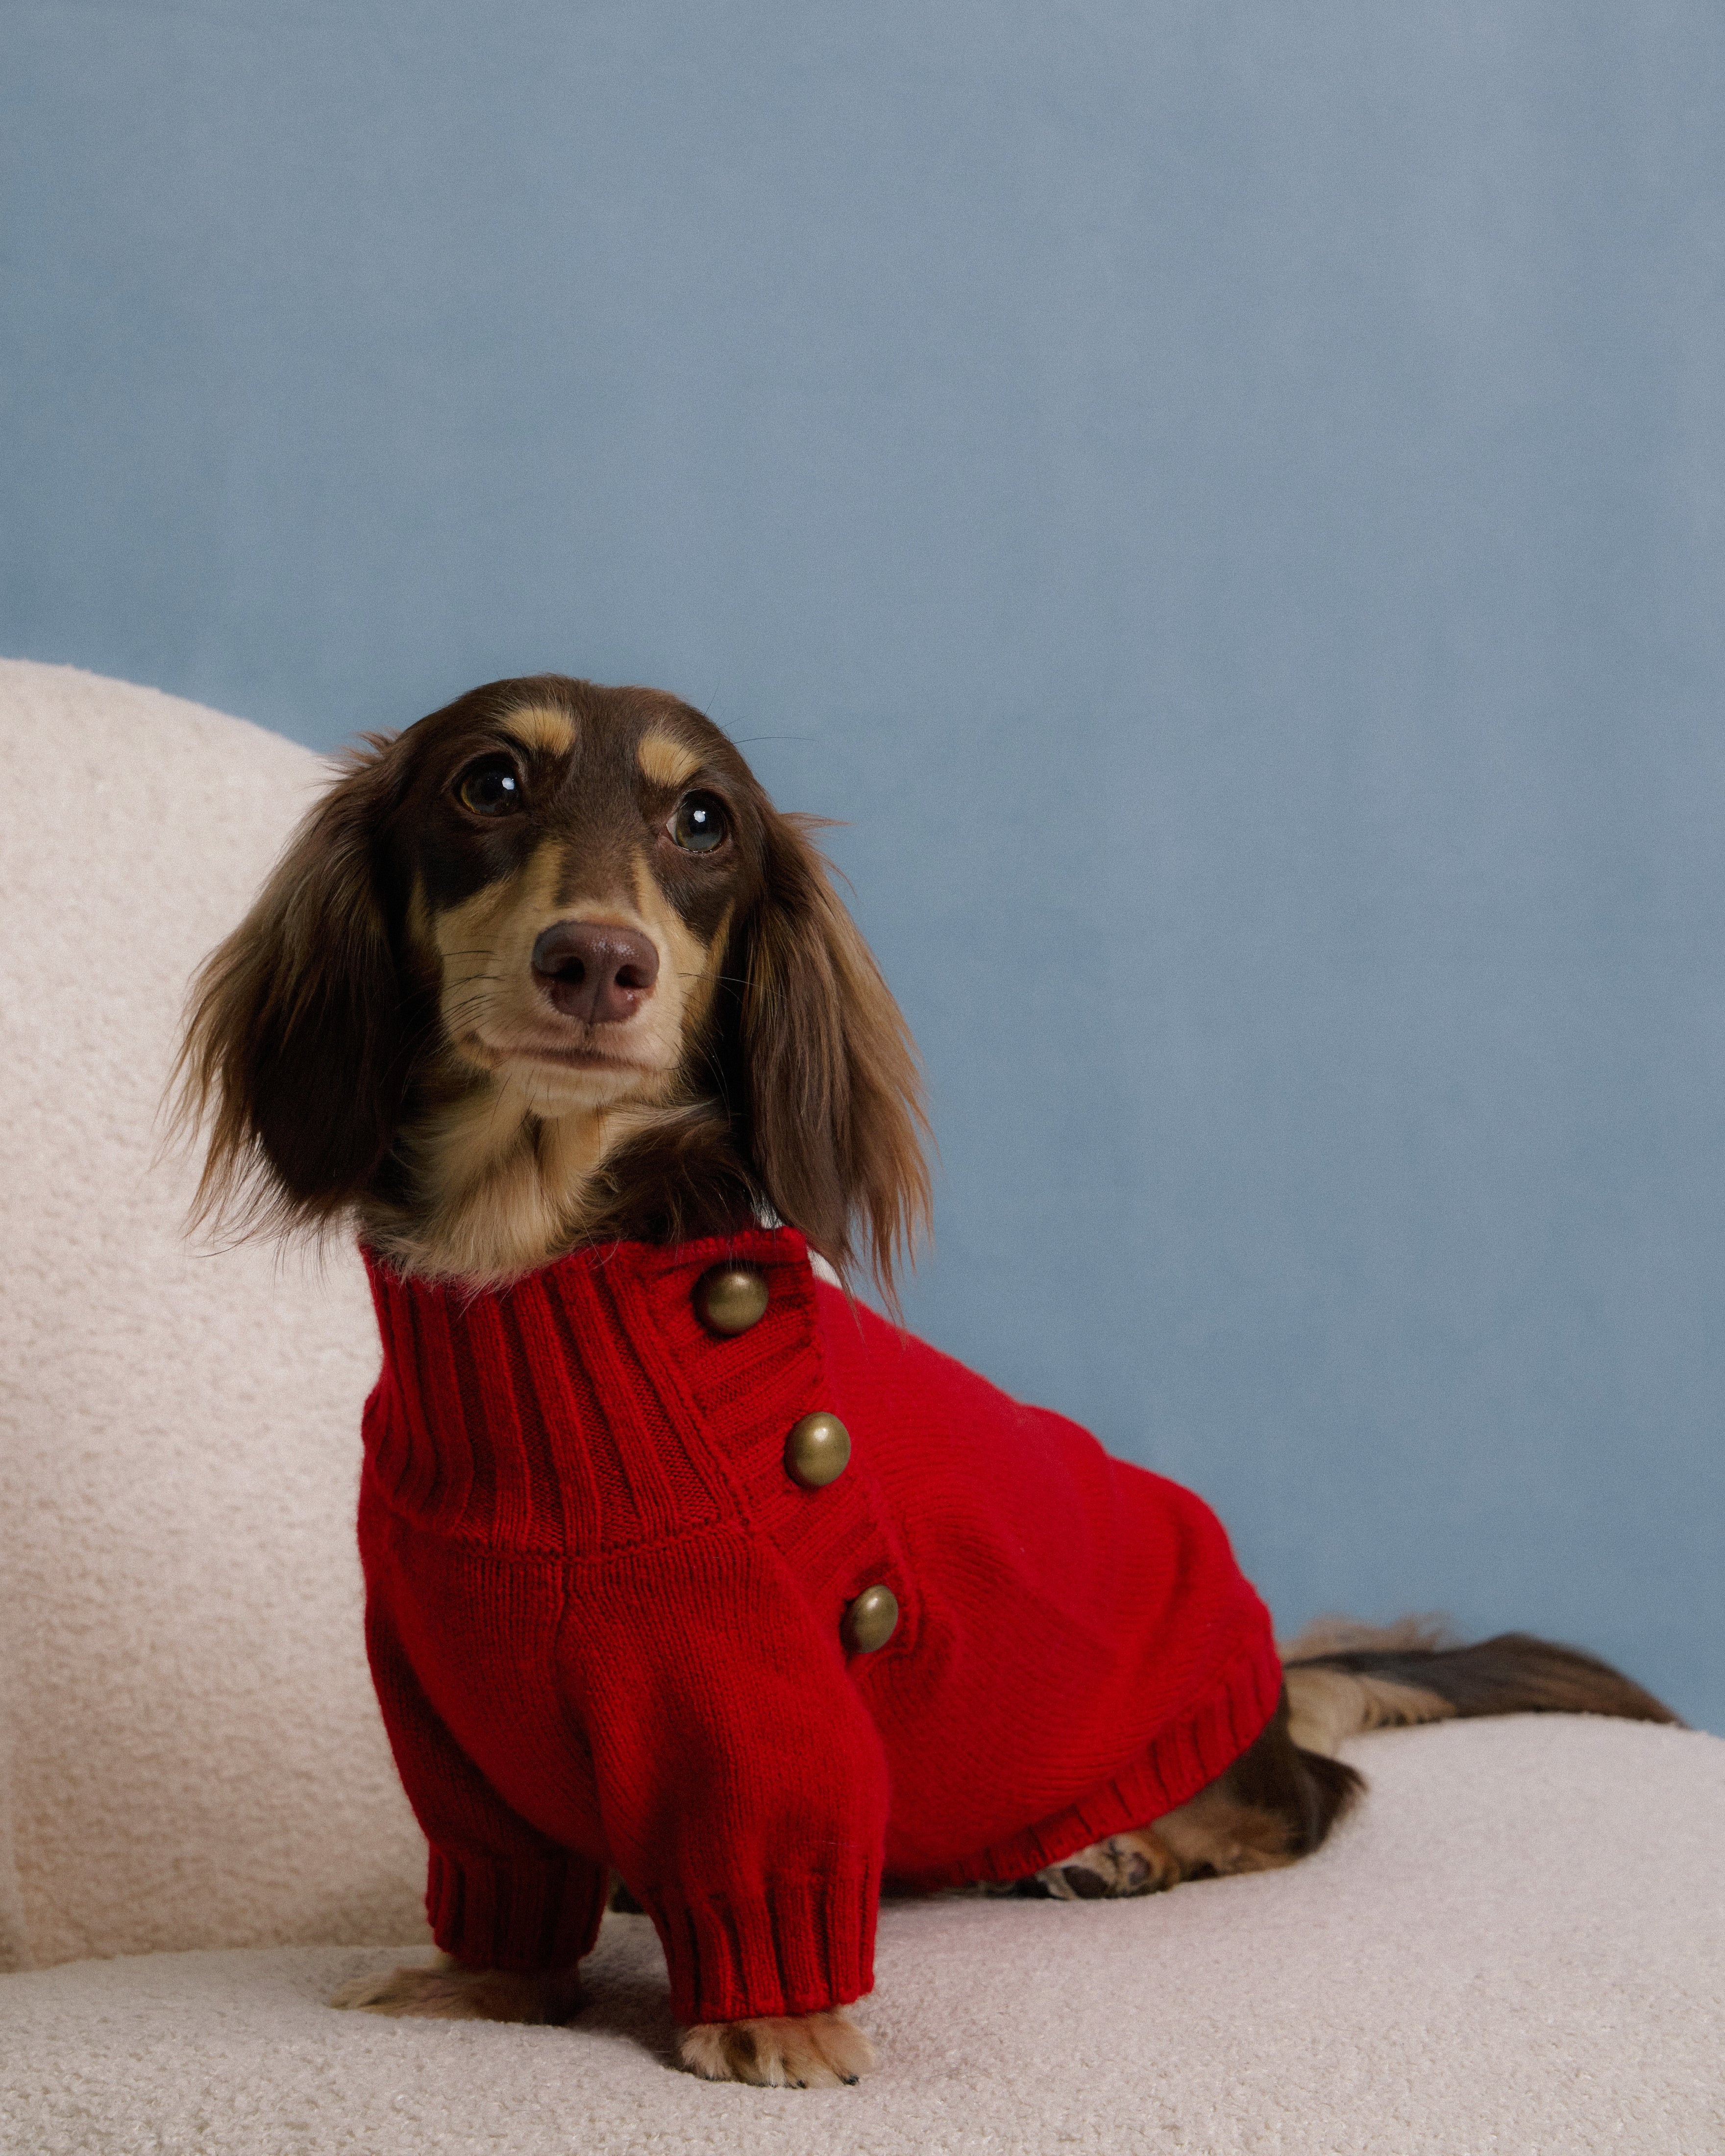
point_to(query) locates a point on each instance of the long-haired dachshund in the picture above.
(683, 1566)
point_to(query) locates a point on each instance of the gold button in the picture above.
(872, 1621)
(817, 1451)
(731, 1298)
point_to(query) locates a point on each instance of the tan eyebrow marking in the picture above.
(665, 761)
(541, 727)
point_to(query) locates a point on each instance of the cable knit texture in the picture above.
(606, 1626)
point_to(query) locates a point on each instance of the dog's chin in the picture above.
(563, 1077)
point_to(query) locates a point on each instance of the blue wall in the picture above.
(1226, 498)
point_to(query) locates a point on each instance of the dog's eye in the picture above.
(492, 787)
(699, 823)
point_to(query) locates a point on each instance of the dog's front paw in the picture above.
(443, 1990)
(803, 2051)
(1111, 1870)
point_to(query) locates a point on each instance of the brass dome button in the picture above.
(872, 1621)
(731, 1298)
(817, 1451)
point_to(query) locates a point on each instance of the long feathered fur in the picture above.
(313, 1039)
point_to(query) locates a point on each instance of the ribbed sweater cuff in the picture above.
(806, 1943)
(521, 1913)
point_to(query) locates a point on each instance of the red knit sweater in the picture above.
(605, 1624)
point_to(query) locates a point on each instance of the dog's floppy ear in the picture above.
(298, 1040)
(835, 1093)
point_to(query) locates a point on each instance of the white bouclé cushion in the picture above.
(1516, 1949)
(196, 1759)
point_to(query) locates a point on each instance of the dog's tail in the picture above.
(1344, 1678)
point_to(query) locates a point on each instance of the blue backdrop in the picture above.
(1225, 499)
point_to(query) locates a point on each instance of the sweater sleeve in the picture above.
(498, 1894)
(742, 1785)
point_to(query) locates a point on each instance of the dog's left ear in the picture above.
(835, 1093)
(298, 1040)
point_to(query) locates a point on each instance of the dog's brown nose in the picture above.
(595, 970)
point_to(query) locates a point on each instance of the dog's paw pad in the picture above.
(444, 1991)
(805, 2051)
(1124, 1865)
(430, 1993)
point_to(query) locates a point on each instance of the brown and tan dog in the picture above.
(548, 969)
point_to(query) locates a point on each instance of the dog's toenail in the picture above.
(848, 2080)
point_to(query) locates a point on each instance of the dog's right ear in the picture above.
(299, 1040)
(834, 1091)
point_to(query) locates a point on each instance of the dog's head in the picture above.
(550, 964)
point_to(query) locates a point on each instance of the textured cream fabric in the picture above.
(196, 1759)
(1516, 1949)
